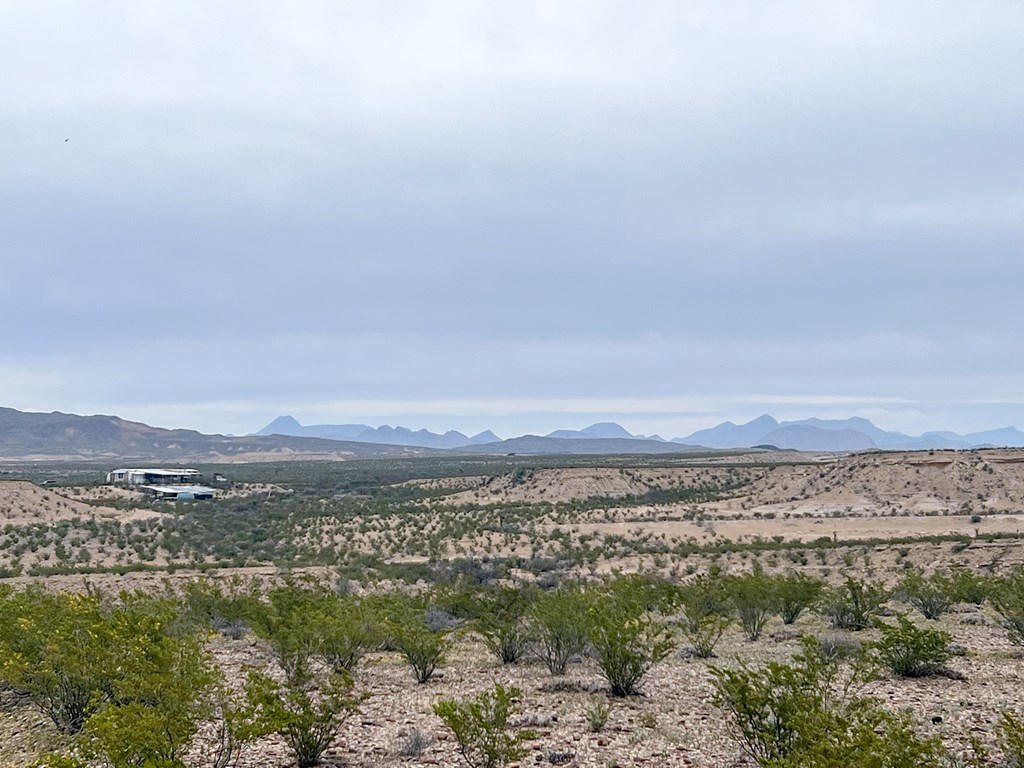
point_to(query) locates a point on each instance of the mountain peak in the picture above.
(606, 429)
(282, 425)
(600, 430)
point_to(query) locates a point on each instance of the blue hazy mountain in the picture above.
(600, 431)
(729, 435)
(813, 434)
(851, 434)
(384, 435)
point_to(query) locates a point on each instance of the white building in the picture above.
(153, 476)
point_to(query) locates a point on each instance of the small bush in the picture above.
(424, 648)
(556, 623)
(932, 596)
(290, 623)
(795, 593)
(647, 720)
(481, 727)
(597, 713)
(854, 604)
(305, 715)
(808, 715)
(754, 599)
(1007, 597)
(348, 631)
(414, 744)
(626, 639)
(1010, 738)
(500, 620)
(840, 647)
(969, 586)
(907, 651)
(705, 605)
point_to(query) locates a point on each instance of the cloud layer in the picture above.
(263, 208)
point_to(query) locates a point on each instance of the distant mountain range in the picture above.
(538, 445)
(853, 434)
(361, 433)
(37, 436)
(68, 436)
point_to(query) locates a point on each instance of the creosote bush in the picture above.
(424, 648)
(626, 638)
(809, 714)
(125, 677)
(56, 649)
(969, 586)
(1007, 598)
(481, 727)
(499, 617)
(795, 593)
(706, 612)
(556, 623)
(306, 713)
(853, 604)
(932, 595)
(754, 600)
(909, 651)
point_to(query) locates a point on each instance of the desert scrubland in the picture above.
(381, 589)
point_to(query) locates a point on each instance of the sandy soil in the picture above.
(22, 503)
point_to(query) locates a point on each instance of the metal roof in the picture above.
(173, 472)
(194, 489)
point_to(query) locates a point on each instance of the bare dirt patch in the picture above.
(23, 503)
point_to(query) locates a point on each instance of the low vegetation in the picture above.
(482, 729)
(427, 588)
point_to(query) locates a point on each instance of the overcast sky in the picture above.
(513, 215)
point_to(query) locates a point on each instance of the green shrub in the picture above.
(795, 593)
(55, 648)
(626, 639)
(597, 713)
(705, 604)
(909, 651)
(754, 599)
(348, 631)
(556, 623)
(1010, 738)
(423, 647)
(808, 715)
(305, 715)
(289, 622)
(853, 604)
(481, 727)
(232, 728)
(1007, 597)
(127, 675)
(932, 596)
(131, 735)
(970, 586)
(500, 620)
(209, 604)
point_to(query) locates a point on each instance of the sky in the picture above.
(513, 215)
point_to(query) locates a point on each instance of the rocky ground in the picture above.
(673, 723)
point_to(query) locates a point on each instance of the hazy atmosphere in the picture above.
(515, 216)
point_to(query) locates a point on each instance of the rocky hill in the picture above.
(68, 436)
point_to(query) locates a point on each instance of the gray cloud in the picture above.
(510, 200)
